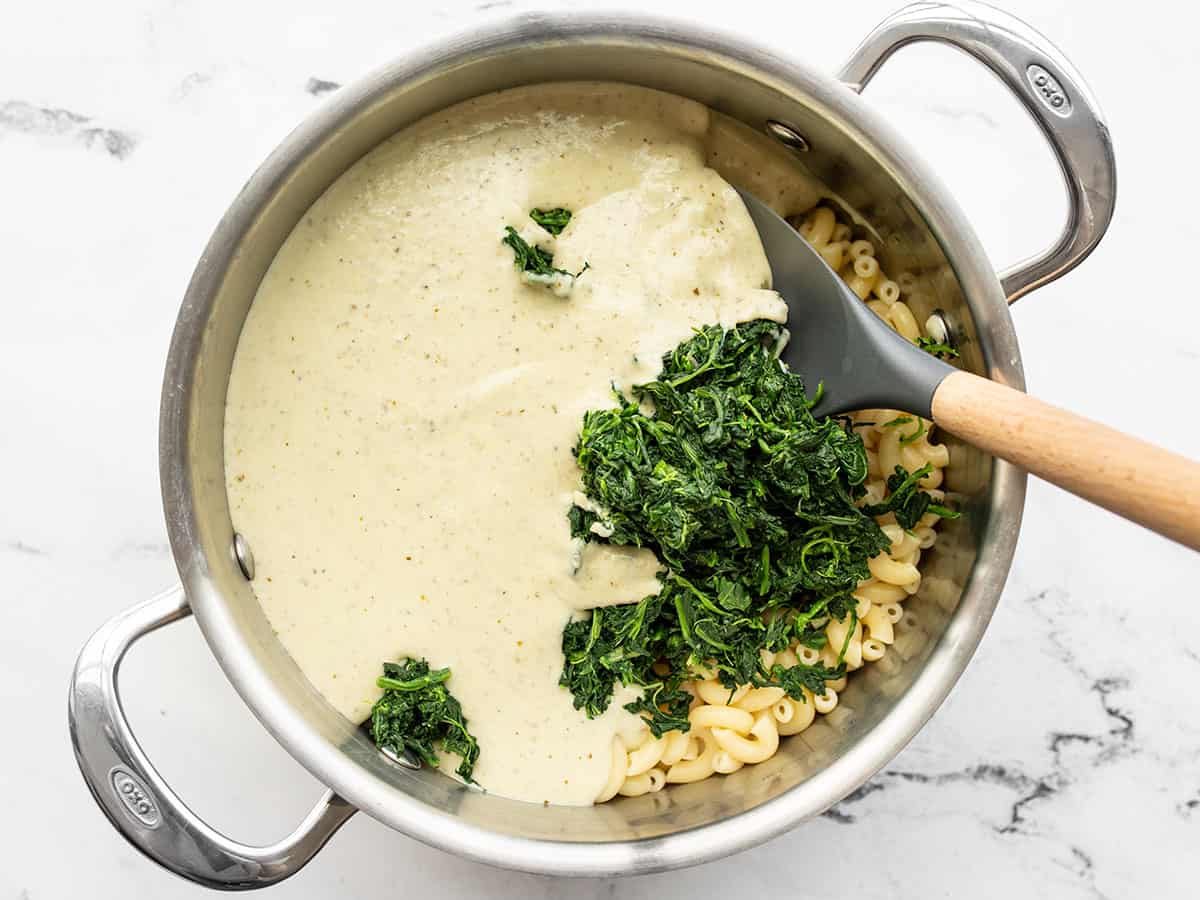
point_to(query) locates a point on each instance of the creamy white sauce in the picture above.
(403, 405)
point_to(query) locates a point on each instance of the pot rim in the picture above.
(390, 805)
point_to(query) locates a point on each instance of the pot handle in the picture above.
(1048, 87)
(133, 795)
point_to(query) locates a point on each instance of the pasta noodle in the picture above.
(688, 770)
(888, 291)
(729, 717)
(903, 321)
(879, 592)
(645, 783)
(677, 744)
(879, 626)
(645, 757)
(802, 715)
(826, 702)
(861, 248)
(834, 255)
(873, 650)
(867, 268)
(735, 728)
(725, 764)
(893, 570)
(760, 698)
(616, 771)
(713, 692)
(846, 636)
(783, 711)
(761, 743)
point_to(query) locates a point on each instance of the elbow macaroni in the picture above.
(735, 728)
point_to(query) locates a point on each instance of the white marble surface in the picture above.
(1066, 763)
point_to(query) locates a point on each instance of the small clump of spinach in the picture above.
(940, 349)
(750, 503)
(553, 220)
(536, 264)
(907, 500)
(418, 713)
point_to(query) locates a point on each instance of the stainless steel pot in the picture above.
(840, 139)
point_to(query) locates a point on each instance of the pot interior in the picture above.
(863, 164)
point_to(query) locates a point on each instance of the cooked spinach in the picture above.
(907, 500)
(750, 503)
(536, 264)
(940, 349)
(553, 220)
(418, 713)
(800, 676)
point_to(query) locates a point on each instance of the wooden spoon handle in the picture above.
(1151, 486)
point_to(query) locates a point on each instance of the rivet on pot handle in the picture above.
(136, 799)
(1047, 86)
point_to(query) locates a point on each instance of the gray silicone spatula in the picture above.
(838, 342)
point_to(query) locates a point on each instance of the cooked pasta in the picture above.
(734, 728)
(616, 771)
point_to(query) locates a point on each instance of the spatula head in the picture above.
(835, 339)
